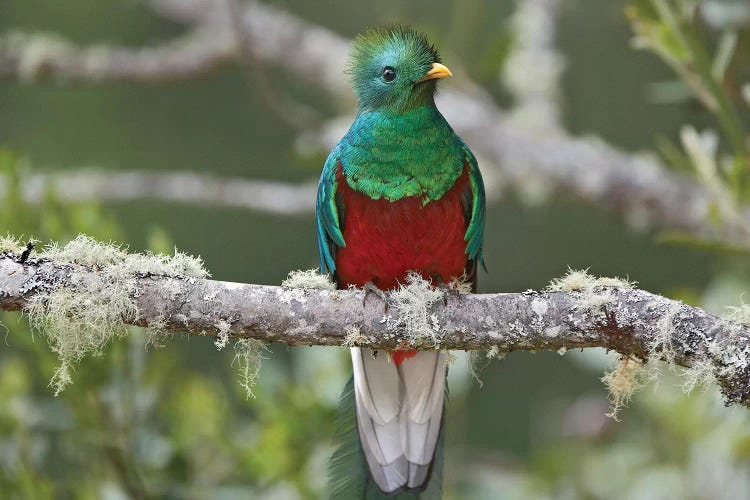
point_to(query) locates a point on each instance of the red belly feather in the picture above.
(385, 240)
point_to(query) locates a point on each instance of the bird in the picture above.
(400, 193)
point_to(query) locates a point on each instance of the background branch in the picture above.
(293, 114)
(37, 58)
(533, 156)
(179, 187)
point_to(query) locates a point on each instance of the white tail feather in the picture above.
(399, 413)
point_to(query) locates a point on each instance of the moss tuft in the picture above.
(739, 314)
(85, 251)
(413, 302)
(9, 243)
(628, 376)
(308, 280)
(582, 281)
(354, 338)
(222, 337)
(81, 318)
(248, 354)
(88, 252)
(462, 285)
(699, 375)
(661, 346)
(595, 293)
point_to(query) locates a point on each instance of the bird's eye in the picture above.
(389, 74)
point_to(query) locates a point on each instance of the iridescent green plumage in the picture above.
(399, 193)
(399, 145)
(407, 51)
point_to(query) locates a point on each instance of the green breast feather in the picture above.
(395, 156)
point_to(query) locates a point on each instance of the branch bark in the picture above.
(632, 322)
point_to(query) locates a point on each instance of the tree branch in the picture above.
(293, 114)
(632, 322)
(533, 69)
(180, 187)
(33, 58)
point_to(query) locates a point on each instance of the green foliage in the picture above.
(672, 30)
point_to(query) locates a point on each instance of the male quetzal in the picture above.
(400, 192)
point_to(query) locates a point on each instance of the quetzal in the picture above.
(400, 192)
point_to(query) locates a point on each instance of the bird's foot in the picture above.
(448, 290)
(371, 288)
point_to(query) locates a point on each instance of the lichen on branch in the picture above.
(98, 298)
(84, 294)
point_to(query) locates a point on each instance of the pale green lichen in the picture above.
(699, 375)
(308, 280)
(622, 382)
(88, 252)
(739, 314)
(728, 353)
(82, 317)
(582, 281)
(222, 336)
(461, 285)
(354, 337)
(9, 243)
(157, 332)
(248, 355)
(477, 362)
(85, 251)
(595, 292)
(81, 320)
(660, 346)
(413, 301)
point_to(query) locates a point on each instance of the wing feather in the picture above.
(475, 209)
(327, 210)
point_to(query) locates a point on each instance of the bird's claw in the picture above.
(371, 288)
(448, 291)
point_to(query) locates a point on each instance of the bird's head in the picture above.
(394, 69)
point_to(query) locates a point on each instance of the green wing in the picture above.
(327, 210)
(475, 207)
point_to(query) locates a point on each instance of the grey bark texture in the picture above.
(630, 321)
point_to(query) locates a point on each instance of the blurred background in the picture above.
(173, 422)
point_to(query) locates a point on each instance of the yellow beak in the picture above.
(437, 70)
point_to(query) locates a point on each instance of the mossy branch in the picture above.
(576, 312)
